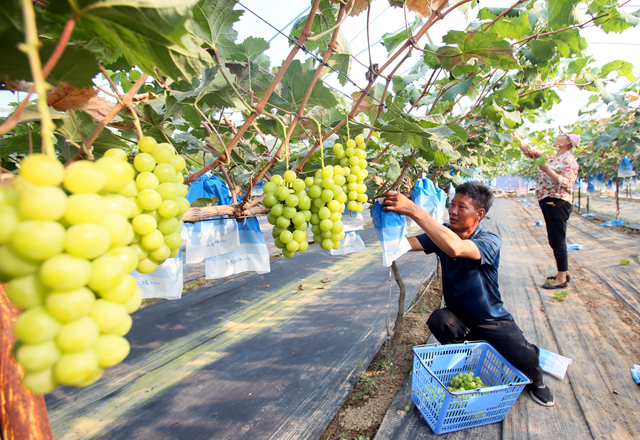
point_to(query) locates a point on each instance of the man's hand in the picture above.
(397, 202)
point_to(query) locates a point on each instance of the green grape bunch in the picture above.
(158, 203)
(69, 240)
(319, 200)
(289, 205)
(328, 205)
(353, 161)
(466, 382)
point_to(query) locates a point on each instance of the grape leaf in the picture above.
(542, 49)
(514, 25)
(540, 161)
(76, 66)
(617, 20)
(430, 58)
(563, 13)
(399, 131)
(31, 114)
(186, 142)
(10, 15)
(296, 81)
(212, 23)
(394, 169)
(423, 163)
(567, 43)
(147, 34)
(592, 99)
(459, 133)
(442, 131)
(252, 51)
(214, 91)
(342, 63)
(624, 68)
(459, 89)
(630, 147)
(19, 144)
(487, 47)
(392, 40)
(77, 125)
(438, 158)
(401, 82)
(491, 13)
(577, 66)
(604, 93)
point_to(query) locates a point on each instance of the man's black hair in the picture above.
(480, 193)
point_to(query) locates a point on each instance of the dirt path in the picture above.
(596, 326)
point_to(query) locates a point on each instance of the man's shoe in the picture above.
(542, 395)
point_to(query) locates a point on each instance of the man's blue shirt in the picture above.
(470, 287)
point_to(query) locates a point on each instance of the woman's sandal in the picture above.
(550, 286)
(553, 277)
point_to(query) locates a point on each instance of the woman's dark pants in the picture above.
(556, 212)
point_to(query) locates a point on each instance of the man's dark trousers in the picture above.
(505, 336)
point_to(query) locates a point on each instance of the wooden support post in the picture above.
(617, 198)
(579, 194)
(22, 415)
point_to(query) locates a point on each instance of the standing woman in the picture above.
(554, 188)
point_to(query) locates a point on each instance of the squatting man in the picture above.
(470, 256)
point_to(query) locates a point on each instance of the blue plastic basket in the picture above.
(435, 365)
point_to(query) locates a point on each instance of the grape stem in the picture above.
(319, 137)
(31, 47)
(232, 187)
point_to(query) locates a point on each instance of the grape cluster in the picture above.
(353, 161)
(465, 382)
(328, 205)
(66, 258)
(318, 200)
(69, 240)
(289, 212)
(159, 203)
